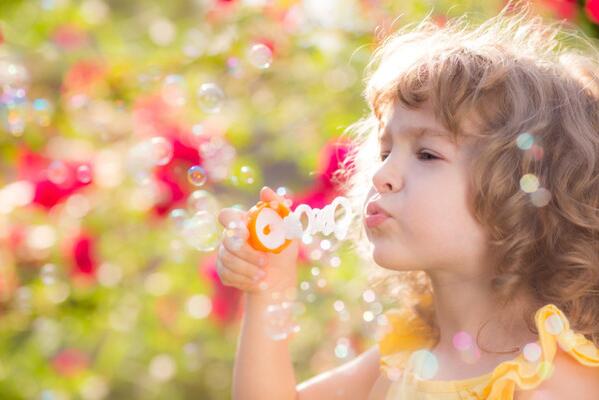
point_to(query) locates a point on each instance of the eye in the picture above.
(428, 156)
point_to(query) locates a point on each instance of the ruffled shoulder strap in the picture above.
(535, 363)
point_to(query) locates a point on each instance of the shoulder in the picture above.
(569, 379)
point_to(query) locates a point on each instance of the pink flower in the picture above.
(563, 9)
(80, 250)
(33, 167)
(69, 362)
(326, 185)
(83, 76)
(153, 116)
(69, 37)
(592, 10)
(225, 299)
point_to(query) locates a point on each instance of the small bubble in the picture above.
(541, 197)
(554, 324)
(462, 341)
(178, 216)
(335, 262)
(338, 305)
(202, 200)
(529, 183)
(260, 56)
(162, 150)
(84, 174)
(368, 296)
(211, 97)
(368, 316)
(325, 244)
(425, 364)
(197, 175)
(525, 141)
(278, 321)
(532, 352)
(201, 231)
(245, 175)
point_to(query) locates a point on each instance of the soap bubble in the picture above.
(139, 161)
(197, 175)
(57, 172)
(202, 200)
(244, 176)
(42, 111)
(217, 155)
(162, 150)
(178, 216)
(462, 341)
(201, 231)
(425, 364)
(554, 324)
(278, 321)
(260, 56)
(13, 110)
(532, 352)
(210, 97)
(84, 174)
(174, 91)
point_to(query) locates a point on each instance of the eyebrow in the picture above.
(415, 131)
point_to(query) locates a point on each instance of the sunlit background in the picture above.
(124, 127)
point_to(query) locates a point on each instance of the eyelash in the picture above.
(383, 156)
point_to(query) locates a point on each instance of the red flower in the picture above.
(83, 76)
(82, 256)
(225, 299)
(329, 177)
(33, 167)
(563, 9)
(592, 10)
(69, 362)
(69, 37)
(153, 116)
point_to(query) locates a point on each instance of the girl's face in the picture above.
(421, 181)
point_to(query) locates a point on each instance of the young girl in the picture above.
(484, 201)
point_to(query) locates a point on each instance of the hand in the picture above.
(238, 263)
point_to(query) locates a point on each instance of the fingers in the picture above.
(228, 215)
(235, 241)
(235, 271)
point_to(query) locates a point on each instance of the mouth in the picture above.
(374, 220)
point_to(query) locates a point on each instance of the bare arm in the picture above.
(263, 368)
(352, 380)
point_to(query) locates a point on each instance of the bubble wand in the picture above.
(271, 228)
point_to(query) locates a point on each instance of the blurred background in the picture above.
(124, 127)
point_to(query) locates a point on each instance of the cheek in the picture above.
(439, 221)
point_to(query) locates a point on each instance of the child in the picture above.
(485, 202)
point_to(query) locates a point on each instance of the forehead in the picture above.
(416, 123)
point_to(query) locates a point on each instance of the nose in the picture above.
(385, 180)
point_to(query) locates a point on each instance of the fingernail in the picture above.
(262, 261)
(259, 275)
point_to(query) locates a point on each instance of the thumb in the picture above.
(267, 194)
(227, 215)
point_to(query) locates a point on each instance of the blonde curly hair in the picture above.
(533, 110)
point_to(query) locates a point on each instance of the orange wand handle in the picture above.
(266, 227)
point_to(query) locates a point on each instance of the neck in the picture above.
(464, 305)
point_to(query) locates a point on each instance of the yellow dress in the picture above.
(404, 347)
